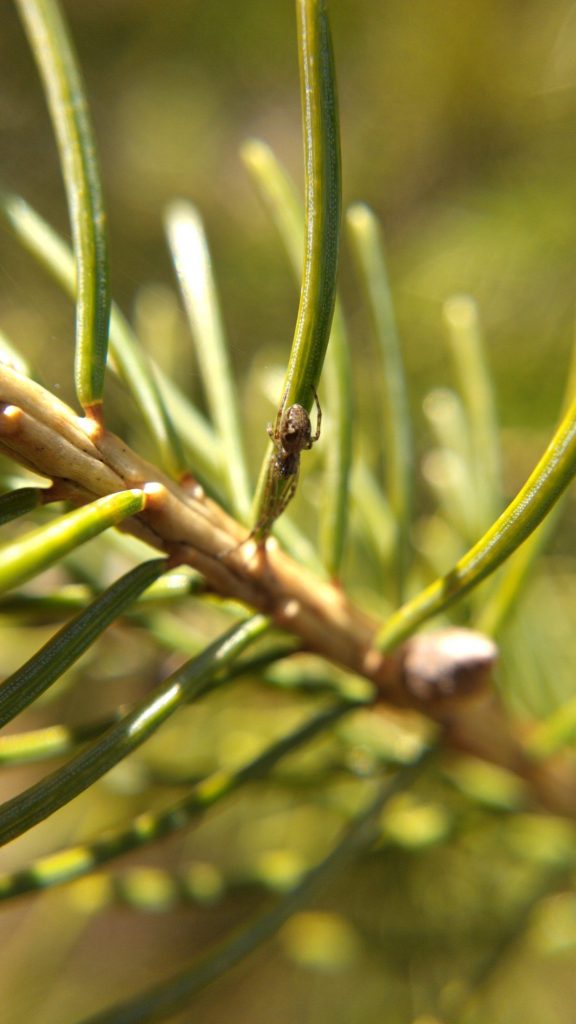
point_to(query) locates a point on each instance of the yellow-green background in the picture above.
(459, 128)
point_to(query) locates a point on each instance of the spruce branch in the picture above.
(444, 675)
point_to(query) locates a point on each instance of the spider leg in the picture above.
(263, 526)
(287, 498)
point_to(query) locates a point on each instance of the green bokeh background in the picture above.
(459, 129)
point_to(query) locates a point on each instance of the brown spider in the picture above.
(291, 435)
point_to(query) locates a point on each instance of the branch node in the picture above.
(448, 664)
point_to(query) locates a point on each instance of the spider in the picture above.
(291, 435)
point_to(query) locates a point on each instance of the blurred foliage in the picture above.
(458, 129)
